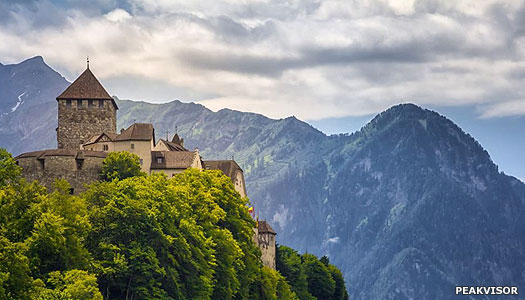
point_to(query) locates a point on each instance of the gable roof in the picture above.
(86, 86)
(94, 139)
(173, 146)
(228, 167)
(264, 227)
(173, 159)
(137, 132)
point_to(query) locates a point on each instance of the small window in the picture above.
(100, 103)
(132, 146)
(71, 191)
(79, 164)
(160, 160)
(141, 161)
(90, 103)
(17, 163)
(42, 164)
(105, 147)
(79, 103)
(68, 103)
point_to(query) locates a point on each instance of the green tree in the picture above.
(69, 285)
(144, 225)
(320, 282)
(9, 171)
(288, 263)
(120, 165)
(58, 233)
(340, 292)
(274, 286)
(15, 278)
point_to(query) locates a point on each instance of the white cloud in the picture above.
(305, 58)
(118, 15)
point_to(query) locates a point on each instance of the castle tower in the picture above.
(85, 109)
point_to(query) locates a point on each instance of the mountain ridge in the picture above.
(410, 193)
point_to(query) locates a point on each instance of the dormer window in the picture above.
(160, 160)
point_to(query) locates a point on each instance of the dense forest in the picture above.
(134, 236)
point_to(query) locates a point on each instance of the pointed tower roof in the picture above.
(86, 86)
(177, 140)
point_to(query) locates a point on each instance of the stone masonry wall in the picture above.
(64, 167)
(266, 243)
(76, 124)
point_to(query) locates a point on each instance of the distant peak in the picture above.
(36, 59)
(406, 111)
(406, 107)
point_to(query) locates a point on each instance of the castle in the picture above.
(87, 131)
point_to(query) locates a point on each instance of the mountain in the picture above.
(408, 207)
(28, 106)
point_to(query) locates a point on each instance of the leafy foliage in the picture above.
(121, 165)
(309, 277)
(131, 237)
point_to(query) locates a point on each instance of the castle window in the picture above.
(68, 103)
(105, 147)
(160, 160)
(132, 146)
(79, 164)
(79, 103)
(100, 103)
(90, 103)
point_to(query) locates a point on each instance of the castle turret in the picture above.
(85, 109)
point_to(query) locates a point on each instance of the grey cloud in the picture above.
(304, 49)
(229, 30)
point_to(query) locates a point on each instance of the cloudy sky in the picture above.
(312, 59)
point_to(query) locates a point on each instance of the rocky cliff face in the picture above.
(408, 207)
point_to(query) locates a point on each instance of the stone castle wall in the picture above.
(76, 124)
(48, 169)
(266, 243)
